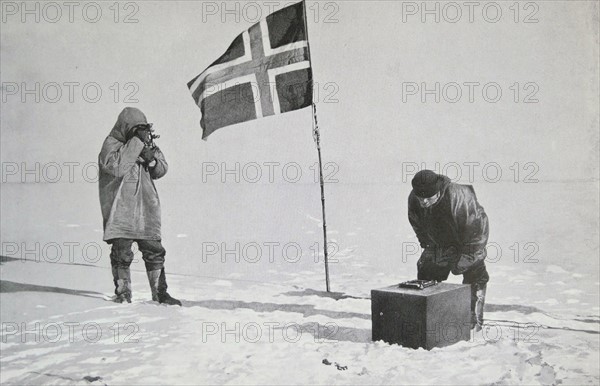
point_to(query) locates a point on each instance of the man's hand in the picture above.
(144, 135)
(147, 155)
(466, 261)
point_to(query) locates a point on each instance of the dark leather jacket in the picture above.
(456, 224)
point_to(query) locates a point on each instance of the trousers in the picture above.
(153, 253)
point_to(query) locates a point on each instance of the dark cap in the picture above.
(427, 183)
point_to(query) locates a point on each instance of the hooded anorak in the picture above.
(128, 198)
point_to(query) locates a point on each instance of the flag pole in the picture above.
(317, 138)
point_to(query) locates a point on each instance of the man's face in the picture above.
(429, 201)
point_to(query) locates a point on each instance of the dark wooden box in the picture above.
(436, 316)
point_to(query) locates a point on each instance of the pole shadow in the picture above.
(322, 294)
(331, 331)
(14, 287)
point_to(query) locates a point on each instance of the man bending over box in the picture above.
(453, 230)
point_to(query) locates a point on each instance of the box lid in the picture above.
(436, 289)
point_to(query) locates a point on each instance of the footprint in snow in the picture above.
(337, 365)
(91, 379)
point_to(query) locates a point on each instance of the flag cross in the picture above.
(259, 66)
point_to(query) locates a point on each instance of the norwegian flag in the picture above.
(265, 71)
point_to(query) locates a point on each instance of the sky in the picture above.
(363, 53)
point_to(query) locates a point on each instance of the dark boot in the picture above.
(477, 303)
(477, 277)
(158, 286)
(115, 278)
(122, 280)
(153, 277)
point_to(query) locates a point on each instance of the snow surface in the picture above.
(239, 332)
